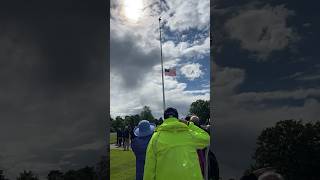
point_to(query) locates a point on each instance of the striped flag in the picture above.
(170, 72)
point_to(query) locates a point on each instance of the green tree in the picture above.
(2, 177)
(201, 108)
(117, 123)
(70, 175)
(27, 175)
(136, 119)
(291, 147)
(146, 114)
(86, 173)
(55, 175)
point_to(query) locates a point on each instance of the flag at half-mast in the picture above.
(170, 72)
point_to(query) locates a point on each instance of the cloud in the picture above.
(130, 101)
(136, 69)
(191, 71)
(53, 92)
(129, 60)
(309, 77)
(239, 117)
(187, 14)
(262, 30)
(276, 95)
(301, 76)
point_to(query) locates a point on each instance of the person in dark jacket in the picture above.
(132, 135)
(139, 145)
(119, 137)
(126, 136)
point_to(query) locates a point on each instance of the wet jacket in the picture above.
(139, 147)
(172, 152)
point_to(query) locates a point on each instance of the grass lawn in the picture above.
(113, 138)
(123, 165)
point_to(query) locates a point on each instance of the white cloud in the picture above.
(191, 71)
(262, 30)
(187, 14)
(130, 101)
(140, 64)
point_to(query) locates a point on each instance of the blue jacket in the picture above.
(139, 147)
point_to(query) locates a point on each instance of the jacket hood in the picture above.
(172, 124)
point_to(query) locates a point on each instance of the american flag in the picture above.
(170, 72)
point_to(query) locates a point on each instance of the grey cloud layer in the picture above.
(53, 90)
(131, 61)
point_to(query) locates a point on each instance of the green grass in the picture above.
(113, 138)
(123, 165)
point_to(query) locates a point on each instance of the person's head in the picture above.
(188, 117)
(171, 112)
(195, 120)
(270, 176)
(144, 128)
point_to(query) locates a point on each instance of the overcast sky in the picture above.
(53, 85)
(135, 54)
(267, 70)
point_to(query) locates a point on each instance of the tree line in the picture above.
(200, 107)
(100, 170)
(97, 172)
(292, 148)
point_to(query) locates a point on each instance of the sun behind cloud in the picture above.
(132, 9)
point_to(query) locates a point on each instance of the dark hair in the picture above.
(188, 117)
(171, 112)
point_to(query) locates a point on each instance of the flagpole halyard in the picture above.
(163, 95)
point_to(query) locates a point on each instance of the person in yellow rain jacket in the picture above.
(172, 150)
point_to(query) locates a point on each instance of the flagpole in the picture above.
(163, 95)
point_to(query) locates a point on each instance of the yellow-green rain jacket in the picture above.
(172, 152)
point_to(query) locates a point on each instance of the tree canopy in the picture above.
(201, 108)
(292, 147)
(2, 177)
(146, 114)
(27, 175)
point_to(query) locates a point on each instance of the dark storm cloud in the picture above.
(53, 84)
(127, 56)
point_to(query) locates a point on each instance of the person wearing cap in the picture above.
(143, 133)
(172, 150)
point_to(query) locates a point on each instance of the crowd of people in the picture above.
(176, 149)
(124, 137)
